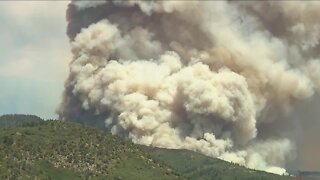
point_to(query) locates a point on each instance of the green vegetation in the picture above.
(63, 150)
(37, 149)
(197, 166)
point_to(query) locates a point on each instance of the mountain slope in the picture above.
(34, 148)
(197, 166)
(63, 150)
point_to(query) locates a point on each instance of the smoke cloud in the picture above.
(219, 78)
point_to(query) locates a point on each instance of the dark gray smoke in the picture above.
(220, 78)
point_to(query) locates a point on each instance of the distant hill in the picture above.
(31, 148)
(13, 120)
(308, 175)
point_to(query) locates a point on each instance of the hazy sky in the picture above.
(34, 56)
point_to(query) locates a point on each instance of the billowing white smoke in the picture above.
(212, 77)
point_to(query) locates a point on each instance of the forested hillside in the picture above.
(197, 166)
(62, 150)
(31, 148)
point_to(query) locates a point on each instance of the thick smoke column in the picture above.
(219, 78)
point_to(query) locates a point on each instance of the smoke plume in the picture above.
(220, 78)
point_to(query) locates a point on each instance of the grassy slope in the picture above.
(60, 150)
(197, 166)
